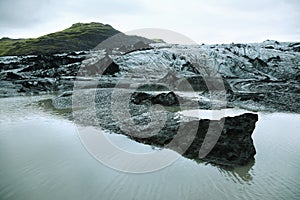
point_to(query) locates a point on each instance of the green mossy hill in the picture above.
(80, 36)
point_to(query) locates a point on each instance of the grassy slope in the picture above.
(79, 36)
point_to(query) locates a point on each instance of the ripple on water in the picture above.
(42, 157)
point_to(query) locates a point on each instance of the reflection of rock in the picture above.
(234, 145)
(63, 101)
(239, 173)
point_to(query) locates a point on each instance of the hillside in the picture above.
(80, 36)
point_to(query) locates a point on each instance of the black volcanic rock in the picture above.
(165, 99)
(230, 137)
(234, 144)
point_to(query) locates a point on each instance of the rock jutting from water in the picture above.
(224, 142)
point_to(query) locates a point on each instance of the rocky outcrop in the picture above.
(225, 142)
(233, 143)
(165, 99)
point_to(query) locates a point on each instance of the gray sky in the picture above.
(204, 21)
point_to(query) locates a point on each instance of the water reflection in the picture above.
(170, 131)
(41, 158)
(239, 174)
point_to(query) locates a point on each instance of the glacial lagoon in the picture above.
(42, 157)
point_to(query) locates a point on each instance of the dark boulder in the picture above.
(139, 97)
(235, 144)
(232, 144)
(165, 99)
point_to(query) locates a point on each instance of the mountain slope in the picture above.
(80, 36)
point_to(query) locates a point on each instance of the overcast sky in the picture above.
(204, 21)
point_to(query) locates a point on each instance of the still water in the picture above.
(42, 157)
